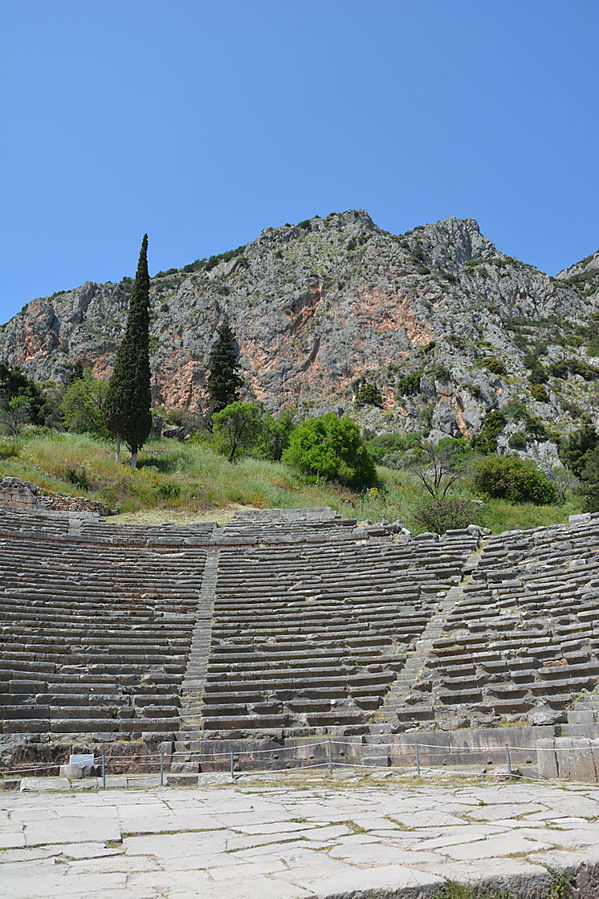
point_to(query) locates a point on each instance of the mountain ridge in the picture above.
(318, 305)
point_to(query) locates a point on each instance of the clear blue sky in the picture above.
(202, 123)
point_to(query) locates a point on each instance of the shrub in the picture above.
(384, 446)
(169, 491)
(574, 367)
(538, 373)
(534, 427)
(77, 477)
(82, 406)
(539, 393)
(332, 448)
(574, 451)
(444, 514)
(590, 480)
(440, 373)
(409, 385)
(517, 480)
(275, 436)
(491, 427)
(368, 395)
(15, 385)
(494, 365)
(518, 440)
(237, 428)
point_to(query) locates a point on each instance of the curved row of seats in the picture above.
(95, 637)
(523, 640)
(307, 638)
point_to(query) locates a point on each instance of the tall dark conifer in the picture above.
(129, 398)
(224, 381)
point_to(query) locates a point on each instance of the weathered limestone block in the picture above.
(569, 758)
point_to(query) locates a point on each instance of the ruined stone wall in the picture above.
(22, 496)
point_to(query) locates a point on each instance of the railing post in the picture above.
(417, 758)
(103, 772)
(330, 751)
(161, 768)
(232, 769)
(509, 761)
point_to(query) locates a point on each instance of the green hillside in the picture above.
(187, 482)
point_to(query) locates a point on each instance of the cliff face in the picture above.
(318, 304)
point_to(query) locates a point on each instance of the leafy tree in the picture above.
(332, 448)
(438, 467)
(276, 434)
(224, 382)
(16, 413)
(517, 480)
(83, 404)
(390, 449)
(237, 427)
(129, 398)
(13, 384)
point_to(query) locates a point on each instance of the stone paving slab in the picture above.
(298, 838)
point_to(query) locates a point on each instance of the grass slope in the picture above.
(181, 482)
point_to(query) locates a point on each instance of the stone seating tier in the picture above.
(307, 628)
(95, 636)
(523, 634)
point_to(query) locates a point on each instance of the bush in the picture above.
(387, 449)
(26, 394)
(491, 427)
(538, 373)
(575, 451)
(444, 514)
(169, 491)
(534, 427)
(590, 480)
(409, 385)
(368, 395)
(539, 393)
(517, 480)
(332, 448)
(77, 476)
(440, 373)
(82, 406)
(574, 367)
(494, 365)
(237, 428)
(518, 440)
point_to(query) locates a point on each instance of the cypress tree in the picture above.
(224, 382)
(129, 398)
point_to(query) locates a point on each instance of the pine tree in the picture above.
(129, 398)
(224, 382)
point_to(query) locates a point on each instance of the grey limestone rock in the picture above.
(315, 306)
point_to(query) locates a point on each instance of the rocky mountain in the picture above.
(445, 325)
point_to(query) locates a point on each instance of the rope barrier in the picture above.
(330, 761)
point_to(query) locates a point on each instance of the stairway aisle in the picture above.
(186, 745)
(386, 718)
